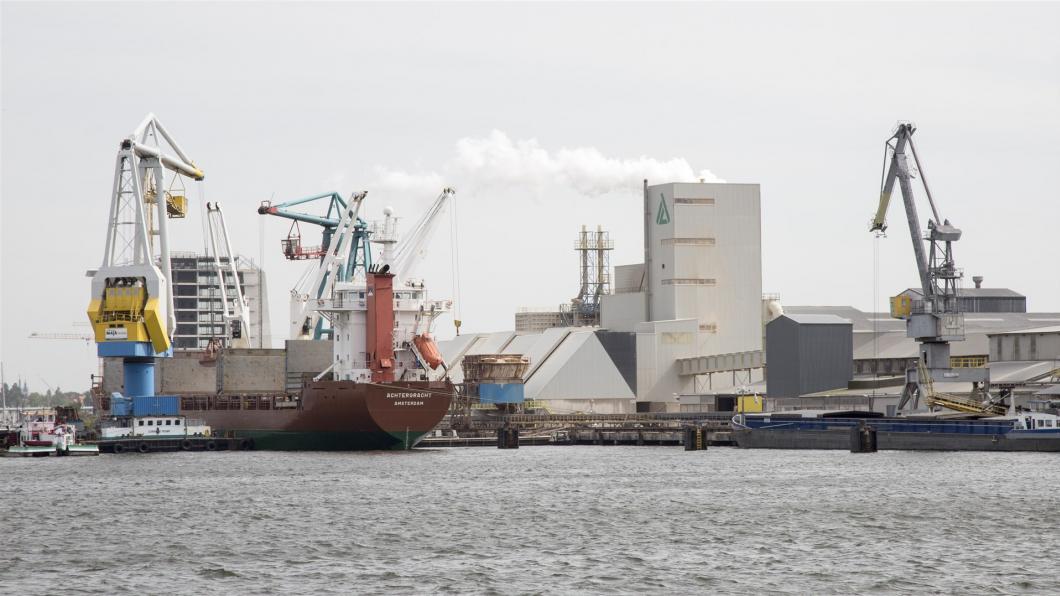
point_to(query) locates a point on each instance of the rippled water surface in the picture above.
(536, 520)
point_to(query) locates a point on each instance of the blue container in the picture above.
(156, 405)
(498, 393)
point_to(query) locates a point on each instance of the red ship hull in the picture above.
(331, 416)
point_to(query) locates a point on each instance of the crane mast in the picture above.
(934, 320)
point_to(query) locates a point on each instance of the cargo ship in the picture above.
(386, 387)
(1023, 431)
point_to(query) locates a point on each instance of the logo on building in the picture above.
(662, 217)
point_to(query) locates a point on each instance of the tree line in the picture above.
(17, 395)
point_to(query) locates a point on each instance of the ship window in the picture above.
(169, 422)
(176, 423)
(141, 422)
(150, 423)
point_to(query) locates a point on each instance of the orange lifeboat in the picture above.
(428, 349)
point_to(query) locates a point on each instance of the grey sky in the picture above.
(284, 100)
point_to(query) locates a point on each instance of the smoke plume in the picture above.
(497, 161)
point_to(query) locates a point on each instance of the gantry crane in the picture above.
(131, 310)
(236, 313)
(935, 320)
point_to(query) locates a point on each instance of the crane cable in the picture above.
(454, 252)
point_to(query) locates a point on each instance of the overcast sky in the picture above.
(543, 117)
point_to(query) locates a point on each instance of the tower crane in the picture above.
(131, 309)
(935, 320)
(237, 318)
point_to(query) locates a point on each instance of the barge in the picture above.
(1024, 431)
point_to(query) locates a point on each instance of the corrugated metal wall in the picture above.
(806, 358)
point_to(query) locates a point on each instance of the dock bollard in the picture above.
(862, 438)
(507, 438)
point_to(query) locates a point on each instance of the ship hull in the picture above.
(331, 416)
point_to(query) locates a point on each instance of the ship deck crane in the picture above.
(236, 313)
(306, 322)
(131, 309)
(317, 284)
(934, 320)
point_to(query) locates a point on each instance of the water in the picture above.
(537, 520)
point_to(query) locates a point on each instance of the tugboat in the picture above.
(42, 436)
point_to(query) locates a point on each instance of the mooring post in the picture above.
(862, 438)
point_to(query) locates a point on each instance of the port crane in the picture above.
(236, 313)
(934, 320)
(131, 308)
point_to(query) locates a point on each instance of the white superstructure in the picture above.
(346, 309)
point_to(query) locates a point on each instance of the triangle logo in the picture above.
(662, 216)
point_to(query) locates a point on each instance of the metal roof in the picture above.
(992, 322)
(1052, 329)
(978, 292)
(817, 319)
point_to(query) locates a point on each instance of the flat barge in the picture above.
(1028, 431)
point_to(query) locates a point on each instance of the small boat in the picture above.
(42, 436)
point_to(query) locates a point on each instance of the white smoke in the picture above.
(498, 161)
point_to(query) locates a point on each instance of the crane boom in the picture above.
(237, 319)
(304, 318)
(933, 320)
(410, 249)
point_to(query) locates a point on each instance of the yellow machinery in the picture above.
(126, 313)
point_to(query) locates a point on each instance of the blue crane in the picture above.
(359, 251)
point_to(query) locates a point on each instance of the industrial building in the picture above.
(198, 304)
(698, 292)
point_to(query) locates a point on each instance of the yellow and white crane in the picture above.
(131, 309)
